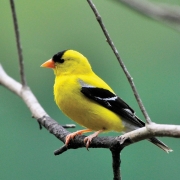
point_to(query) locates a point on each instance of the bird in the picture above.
(89, 101)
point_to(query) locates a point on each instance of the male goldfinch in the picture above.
(88, 100)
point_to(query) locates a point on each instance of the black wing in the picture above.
(111, 102)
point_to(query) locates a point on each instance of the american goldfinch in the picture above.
(88, 100)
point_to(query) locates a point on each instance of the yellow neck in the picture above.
(77, 67)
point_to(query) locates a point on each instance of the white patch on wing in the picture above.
(83, 84)
(129, 111)
(108, 99)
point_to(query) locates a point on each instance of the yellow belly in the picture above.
(82, 110)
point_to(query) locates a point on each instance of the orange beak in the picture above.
(48, 64)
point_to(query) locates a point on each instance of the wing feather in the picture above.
(112, 102)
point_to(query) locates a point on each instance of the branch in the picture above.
(153, 129)
(18, 43)
(22, 90)
(39, 113)
(166, 13)
(26, 94)
(115, 144)
(129, 77)
(116, 161)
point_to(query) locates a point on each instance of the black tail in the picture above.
(154, 140)
(160, 144)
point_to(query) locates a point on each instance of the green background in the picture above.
(151, 53)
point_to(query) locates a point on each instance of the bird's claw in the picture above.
(87, 141)
(89, 138)
(69, 137)
(72, 135)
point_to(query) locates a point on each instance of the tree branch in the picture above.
(115, 144)
(39, 113)
(18, 43)
(166, 13)
(26, 94)
(116, 161)
(116, 165)
(153, 129)
(129, 77)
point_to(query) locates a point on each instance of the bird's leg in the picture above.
(89, 138)
(72, 135)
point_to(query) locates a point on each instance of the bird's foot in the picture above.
(72, 135)
(89, 138)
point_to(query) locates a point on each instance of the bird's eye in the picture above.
(61, 61)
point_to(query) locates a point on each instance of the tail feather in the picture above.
(156, 141)
(160, 144)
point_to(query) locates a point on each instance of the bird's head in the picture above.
(68, 62)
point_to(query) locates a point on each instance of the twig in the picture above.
(116, 161)
(26, 94)
(18, 43)
(68, 126)
(116, 165)
(166, 13)
(130, 79)
(60, 150)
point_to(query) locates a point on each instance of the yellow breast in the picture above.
(84, 111)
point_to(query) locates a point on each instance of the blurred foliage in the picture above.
(151, 53)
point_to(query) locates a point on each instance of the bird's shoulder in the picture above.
(73, 81)
(94, 81)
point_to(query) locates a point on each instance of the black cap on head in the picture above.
(57, 57)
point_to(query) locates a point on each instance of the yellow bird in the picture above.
(88, 100)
